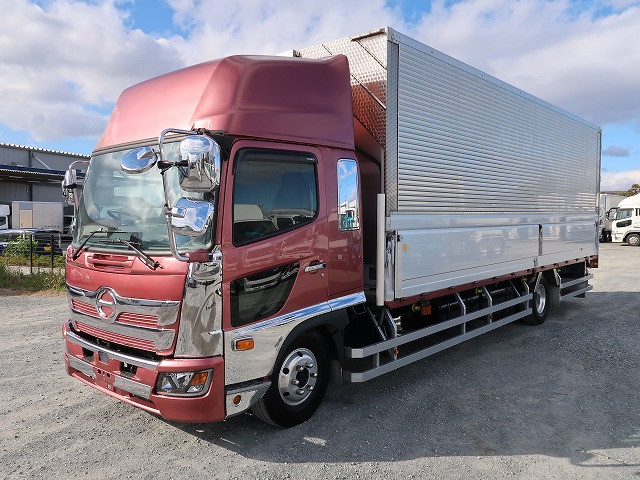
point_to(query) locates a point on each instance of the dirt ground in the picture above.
(559, 401)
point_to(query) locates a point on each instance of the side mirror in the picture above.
(138, 160)
(70, 180)
(191, 217)
(200, 164)
(69, 184)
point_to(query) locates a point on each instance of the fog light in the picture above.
(183, 383)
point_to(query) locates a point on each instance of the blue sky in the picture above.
(63, 63)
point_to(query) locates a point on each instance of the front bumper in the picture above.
(133, 379)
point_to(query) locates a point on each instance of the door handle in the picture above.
(315, 267)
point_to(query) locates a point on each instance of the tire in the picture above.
(541, 302)
(307, 362)
(633, 240)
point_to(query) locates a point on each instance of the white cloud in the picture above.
(619, 181)
(269, 27)
(583, 62)
(61, 65)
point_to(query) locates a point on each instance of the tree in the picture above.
(634, 190)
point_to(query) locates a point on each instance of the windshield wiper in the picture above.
(146, 259)
(76, 254)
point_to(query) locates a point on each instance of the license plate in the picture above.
(47, 248)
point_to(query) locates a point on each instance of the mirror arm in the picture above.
(167, 213)
(162, 163)
(164, 166)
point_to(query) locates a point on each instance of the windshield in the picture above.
(620, 214)
(131, 206)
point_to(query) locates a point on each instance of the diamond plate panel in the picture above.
(367, 64)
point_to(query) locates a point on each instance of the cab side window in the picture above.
(348, 205)
(273, 192)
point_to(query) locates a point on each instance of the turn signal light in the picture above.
(244, 344)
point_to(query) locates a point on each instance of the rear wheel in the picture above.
(540, 304)
(298, 383)
(633, 239)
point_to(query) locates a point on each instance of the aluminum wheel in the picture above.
(540, 298)
(298, 376)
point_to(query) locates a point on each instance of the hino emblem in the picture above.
(106, 303)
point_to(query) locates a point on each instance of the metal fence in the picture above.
(32, 249)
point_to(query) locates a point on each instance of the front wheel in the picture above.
(633, 239)
(298, 383)
(540, 304)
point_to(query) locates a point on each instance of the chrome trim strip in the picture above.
(303, 314)
(269, 336)
(250, 396)
(136, 388)
(81, 366)
(200, 331)
(297, 316)
(162, 339)
(347, 301)
(165, 310)
(122, 357)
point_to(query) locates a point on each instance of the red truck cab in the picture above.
(197, 340)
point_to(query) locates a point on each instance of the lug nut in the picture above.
(309, 387)
(314, 374)
(300, 391)
(294, 382)
(299, 367)
(309, 365)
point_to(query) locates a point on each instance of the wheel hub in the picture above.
(298, 376)
(540, 298)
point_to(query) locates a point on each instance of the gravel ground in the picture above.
(556, 401)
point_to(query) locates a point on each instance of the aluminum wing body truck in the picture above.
(626, 224)
(251, 224)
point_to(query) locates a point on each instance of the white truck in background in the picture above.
(626, 224)
(39, 215)
(4, 217)
(606, 213)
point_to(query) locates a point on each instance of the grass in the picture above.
(51, 281)
(38, 260)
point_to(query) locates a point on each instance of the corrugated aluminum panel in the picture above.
(468, 143)
(458, 141)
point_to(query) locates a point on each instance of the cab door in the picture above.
(274, 233)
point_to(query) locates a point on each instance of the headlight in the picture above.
(189, 384)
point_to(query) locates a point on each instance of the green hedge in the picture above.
(32, 282)
(38, 260)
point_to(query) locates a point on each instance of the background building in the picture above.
(34, 175)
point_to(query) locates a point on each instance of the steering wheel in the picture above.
(119, 215)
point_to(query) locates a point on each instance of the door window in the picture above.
(273, 192)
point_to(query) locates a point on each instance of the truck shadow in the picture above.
(566, 389)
